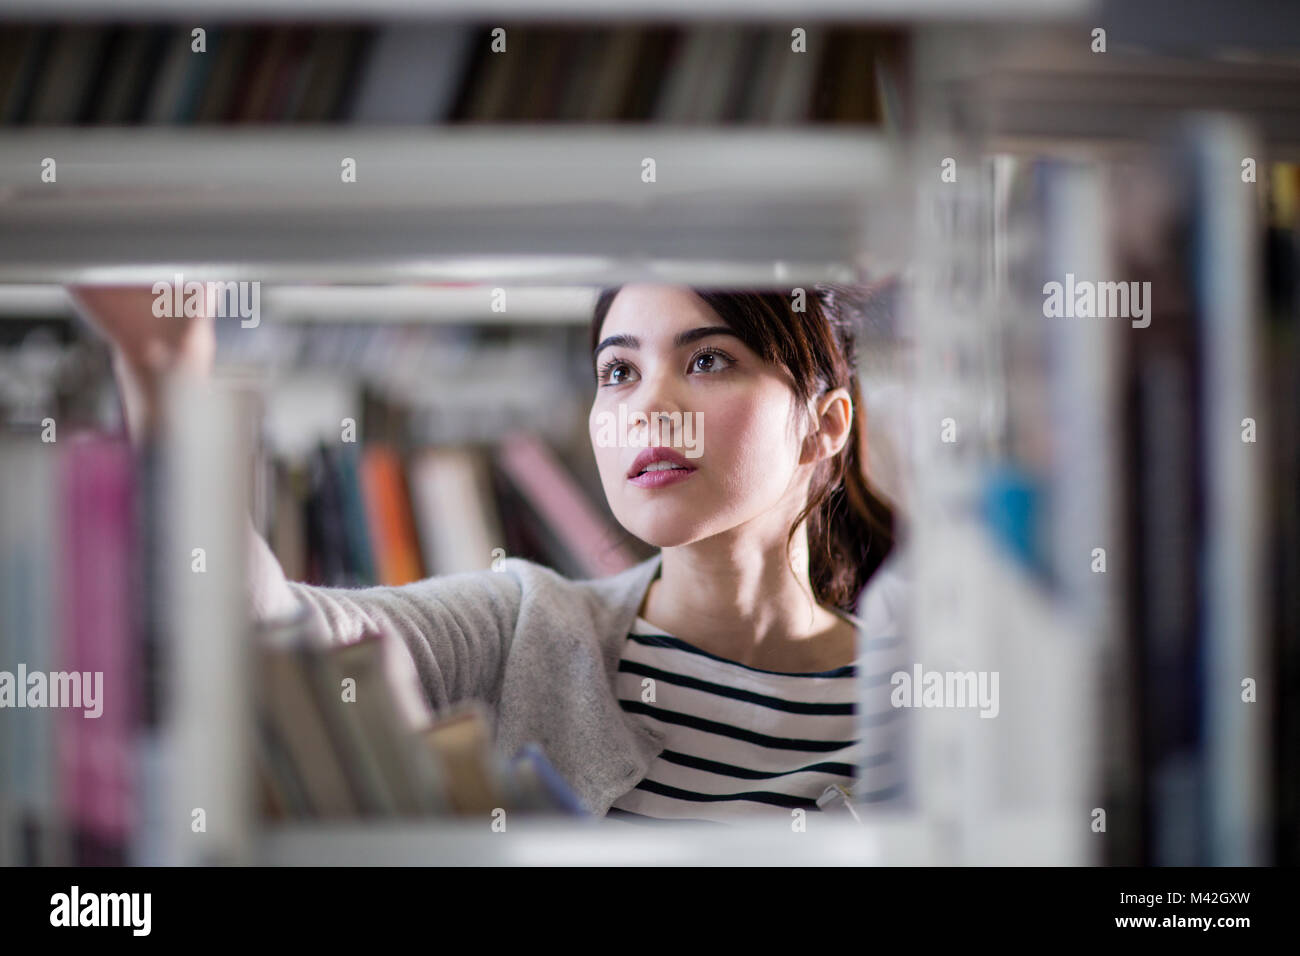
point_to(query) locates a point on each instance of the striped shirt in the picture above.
(741, 742)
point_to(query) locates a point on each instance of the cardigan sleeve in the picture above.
(446, 638)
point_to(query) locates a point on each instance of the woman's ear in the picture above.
(832, 419)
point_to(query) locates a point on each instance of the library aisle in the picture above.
(1068, 257)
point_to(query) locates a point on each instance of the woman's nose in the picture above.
(656, 395)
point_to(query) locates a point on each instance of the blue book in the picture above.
(540, 785)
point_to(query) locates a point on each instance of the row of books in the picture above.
(116, 74)
(69, 586)
(331, 745)
(1210, 493)
(354, 516)
(1185, 428)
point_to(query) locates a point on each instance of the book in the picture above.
(687, 76)
(536, 785)
(29, 506)
(362, 535)
(288, 76)
(335, 53)
(252, 99)
(591, 539)
(130, 74)
(613, 76)
(21, 49)
(793, 94)
(331, 561)
(203, 748)
(388, 517)
(302, 757)
(407, 770)
(178, 82)
(1224, 248)
(63, 77)
(411, 73)
(229, 63)
(456, 513)
(480, 781)
(366, 776)
(96, 648)
(461, 741)
(288, 532)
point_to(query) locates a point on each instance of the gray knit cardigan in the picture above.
(541, 650)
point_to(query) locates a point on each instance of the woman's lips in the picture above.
(659, 466)
(658, 479)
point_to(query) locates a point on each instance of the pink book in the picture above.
(561, 504)
(98, 627)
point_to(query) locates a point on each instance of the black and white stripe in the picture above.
(741, 742)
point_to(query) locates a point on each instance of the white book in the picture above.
(455, 513)
(203, 798)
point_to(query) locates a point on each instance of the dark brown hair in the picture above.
(850, 529)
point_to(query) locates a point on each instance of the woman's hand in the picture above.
(146, 348)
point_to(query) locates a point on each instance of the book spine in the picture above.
(28, 560)
(209, 704)
(97, 649)
(1224, 249)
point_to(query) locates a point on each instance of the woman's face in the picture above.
(731, 423)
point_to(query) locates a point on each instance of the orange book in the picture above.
(389, 518)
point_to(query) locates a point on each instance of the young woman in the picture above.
(715, 681)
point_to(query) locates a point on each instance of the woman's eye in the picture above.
(709, 362)
(614, 372)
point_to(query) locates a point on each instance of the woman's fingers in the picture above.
(149, 342)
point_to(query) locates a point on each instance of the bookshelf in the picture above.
(1042, 91)
(457, 206)
(1036, 121)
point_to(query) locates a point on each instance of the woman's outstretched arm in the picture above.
(456, 629)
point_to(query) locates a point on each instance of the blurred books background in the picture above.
(1122, 687)
(447, 73)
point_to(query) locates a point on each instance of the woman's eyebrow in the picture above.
(682, 338)
(704, 331)
(624, 341)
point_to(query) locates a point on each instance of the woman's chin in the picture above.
(665, 534)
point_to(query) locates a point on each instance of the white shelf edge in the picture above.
(559, 305)
(553, 205)
(32, 300)
(826, 842)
